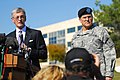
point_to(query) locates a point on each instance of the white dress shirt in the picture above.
(23, 32)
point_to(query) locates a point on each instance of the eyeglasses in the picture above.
(19, 17)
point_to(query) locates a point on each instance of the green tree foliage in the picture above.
(116, 40)
(109, 15)
(56, 52)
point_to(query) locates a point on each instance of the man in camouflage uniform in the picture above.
(96, 40)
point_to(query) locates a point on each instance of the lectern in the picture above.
(16, 65)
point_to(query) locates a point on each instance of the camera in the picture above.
(2, 44)
(2, 40)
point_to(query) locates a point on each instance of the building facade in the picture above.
(61, 33)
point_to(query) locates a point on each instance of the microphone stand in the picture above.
(29, 67)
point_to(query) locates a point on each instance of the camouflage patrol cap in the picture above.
(83, 11)
(77, 58)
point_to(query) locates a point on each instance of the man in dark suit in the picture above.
(32, 39)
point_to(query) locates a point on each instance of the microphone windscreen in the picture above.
(12, 42)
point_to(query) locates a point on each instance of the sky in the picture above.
(42, 12)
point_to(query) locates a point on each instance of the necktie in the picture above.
(20, 37)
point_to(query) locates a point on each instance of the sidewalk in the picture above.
(117, 66)
(45, 64)
(117, 62)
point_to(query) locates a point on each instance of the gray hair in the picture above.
(18, 10)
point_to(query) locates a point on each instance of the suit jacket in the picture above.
(35, 41)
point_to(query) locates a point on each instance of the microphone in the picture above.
(27, 55)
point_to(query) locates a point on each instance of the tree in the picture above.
(109, 16)
(116, 40)
(56, 52)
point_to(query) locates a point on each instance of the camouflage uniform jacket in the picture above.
(97, 40)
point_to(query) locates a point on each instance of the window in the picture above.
(61, 37)
(52, 34)
(52, 40)
(79, 28)
(69, 44)
(61, 41)
(70, 30)
(61, 33)
(44, 35)
(57, 37)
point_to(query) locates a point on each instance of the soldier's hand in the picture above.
(108, 78)
(96, 58)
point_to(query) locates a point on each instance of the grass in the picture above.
(116, 76)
